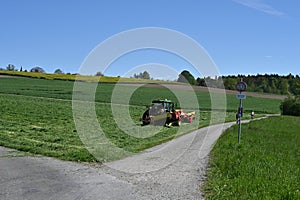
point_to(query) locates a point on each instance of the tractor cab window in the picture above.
(157, 109)
(168, 106)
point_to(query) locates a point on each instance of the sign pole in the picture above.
(240, 86)
(240, 123)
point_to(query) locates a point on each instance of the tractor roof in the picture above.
(161, 101)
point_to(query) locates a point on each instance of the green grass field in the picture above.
(266, 165)
(36, 116)
(141, 97)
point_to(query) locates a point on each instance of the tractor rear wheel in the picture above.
(176, 123)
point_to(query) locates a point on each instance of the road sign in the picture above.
(241, 86)
(241, 96)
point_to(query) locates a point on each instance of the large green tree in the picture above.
(186, 77)
(58, 71)
(99, 74)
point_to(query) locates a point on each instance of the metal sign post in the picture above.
(241, 87)
(240, 123)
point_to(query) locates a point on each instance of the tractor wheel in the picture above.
(146, 123)
(176, 123)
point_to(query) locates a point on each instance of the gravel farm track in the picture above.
(148, 175)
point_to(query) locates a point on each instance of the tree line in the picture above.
(264, 83)
(268, 83)
(11, 67)
(38, 69)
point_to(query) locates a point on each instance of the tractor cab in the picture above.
(158, 113)
(162, 106)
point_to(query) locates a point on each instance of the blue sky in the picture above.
(241, 36)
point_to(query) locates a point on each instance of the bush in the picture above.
(58, 71)
(290, 106)
(37, 69)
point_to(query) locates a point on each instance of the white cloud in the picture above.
(260, 6)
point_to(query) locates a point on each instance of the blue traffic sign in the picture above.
(241, 86)
(241, 96)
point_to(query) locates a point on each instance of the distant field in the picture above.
(73, 77)
(36, 116)
(266, 165)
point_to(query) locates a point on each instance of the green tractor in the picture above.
(162, 112)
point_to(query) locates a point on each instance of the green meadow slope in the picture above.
(36, 116)
(266, 165)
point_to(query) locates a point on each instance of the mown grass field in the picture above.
(266, 165)
(36, 116)
(141, 97)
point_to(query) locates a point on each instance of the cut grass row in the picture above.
(266, 165)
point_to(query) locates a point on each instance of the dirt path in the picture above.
(7, 76)
(174, 170)
(35, 178)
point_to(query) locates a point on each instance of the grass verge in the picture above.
(266, 165)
